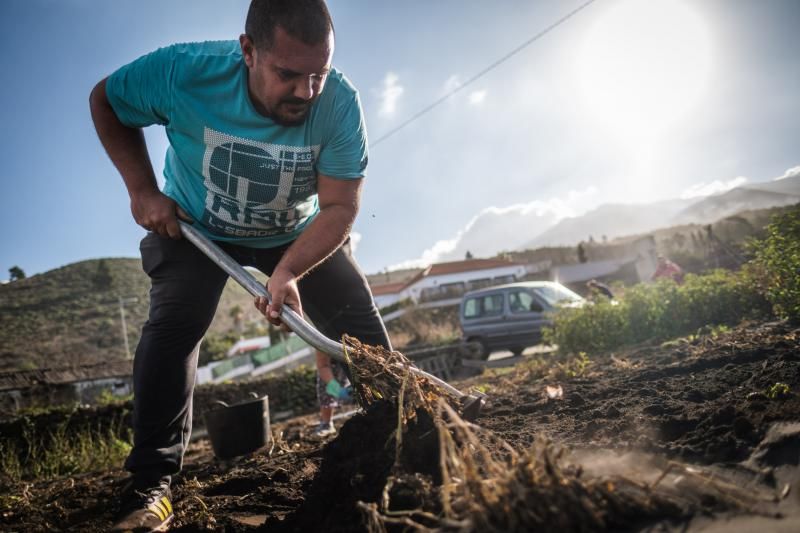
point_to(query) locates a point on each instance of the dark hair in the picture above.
(307, 20)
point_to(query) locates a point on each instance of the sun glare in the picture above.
(643, 66)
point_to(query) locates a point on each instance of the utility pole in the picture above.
(122, 301)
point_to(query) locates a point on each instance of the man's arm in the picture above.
(127, 149)
(338, 206)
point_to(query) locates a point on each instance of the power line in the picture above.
(480, 74)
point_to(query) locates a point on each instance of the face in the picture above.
(287, 78)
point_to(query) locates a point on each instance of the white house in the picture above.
(248, 345)
(443, 281)
(387, 294)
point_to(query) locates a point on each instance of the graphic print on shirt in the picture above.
(256, 189)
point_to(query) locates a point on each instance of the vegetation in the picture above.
(15, 273)
(215, 347)
(776, 266)
(778, 391)
(657, 312)
(70, 316)
(62, 450)
(768, 285)
(425, 327)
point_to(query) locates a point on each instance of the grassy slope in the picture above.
(65, 316)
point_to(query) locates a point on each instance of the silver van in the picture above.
(511, 317)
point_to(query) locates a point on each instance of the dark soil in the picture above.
(706, 402)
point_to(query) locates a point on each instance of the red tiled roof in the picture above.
(468, 265)
(388, 288)
(439, 269)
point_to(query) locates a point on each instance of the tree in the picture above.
(16, 273)
(468, 255)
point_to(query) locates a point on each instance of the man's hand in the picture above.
(156, 212)
(282, 286)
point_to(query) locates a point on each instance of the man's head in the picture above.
(287, 47)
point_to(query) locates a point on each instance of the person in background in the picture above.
(596, 287)
(332, 388)
(666, 269)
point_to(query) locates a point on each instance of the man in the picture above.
(267, 155)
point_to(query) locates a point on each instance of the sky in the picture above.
(626, 101)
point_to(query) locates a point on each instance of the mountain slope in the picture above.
(734, 201)
(611, 220)
(784, 186)
(71, 315)
(617, 220)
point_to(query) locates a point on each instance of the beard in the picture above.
(292, 112)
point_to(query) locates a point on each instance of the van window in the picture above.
(555, 294)
(489, 305)
(519, 301)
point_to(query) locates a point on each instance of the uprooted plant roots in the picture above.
(481, 483)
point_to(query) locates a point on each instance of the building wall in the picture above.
(513, 272)
(385, 300)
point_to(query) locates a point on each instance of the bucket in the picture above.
(238, 429)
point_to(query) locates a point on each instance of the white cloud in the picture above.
(791, 173)
(390, 95)
(715, 187)
(355, 238)
(476, 97)
(495, 229)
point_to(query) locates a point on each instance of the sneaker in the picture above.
(145, 509)
(324, 429)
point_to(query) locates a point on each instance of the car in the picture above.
(511, 316)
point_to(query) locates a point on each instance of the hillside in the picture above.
(610, 220)
(618, 220)
(71, 315)
(732, 202)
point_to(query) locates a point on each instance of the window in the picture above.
(475, 284)
(489, 305)
(520, 301)
(493, 305)
(555, 294)
(472, 308)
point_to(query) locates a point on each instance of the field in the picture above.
(701, 433)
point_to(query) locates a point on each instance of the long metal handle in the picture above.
(303, 329)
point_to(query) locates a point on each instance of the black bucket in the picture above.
(238, 429)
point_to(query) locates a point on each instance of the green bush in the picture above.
(775, 267)
(215, 347)
(657, 312)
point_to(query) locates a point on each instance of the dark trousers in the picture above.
(185, 290)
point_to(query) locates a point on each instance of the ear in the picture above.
(248, 50)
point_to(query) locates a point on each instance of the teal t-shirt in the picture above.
(241, 176)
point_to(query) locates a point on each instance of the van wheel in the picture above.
(485, 351)
(480, 349)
